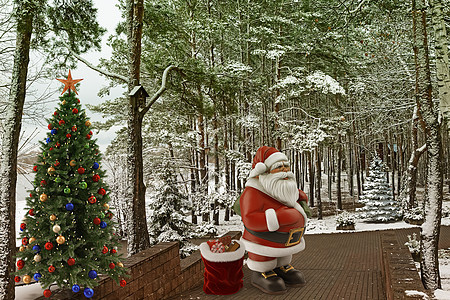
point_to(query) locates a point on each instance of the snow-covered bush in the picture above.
(414, 215)
(345, 220)
(206, 229)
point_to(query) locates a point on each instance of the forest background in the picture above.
(330, 83)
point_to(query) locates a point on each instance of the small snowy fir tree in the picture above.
(167, 222)
(379, 206)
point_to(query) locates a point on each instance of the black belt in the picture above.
(290, 238)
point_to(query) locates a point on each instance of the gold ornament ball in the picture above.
(72, 163)
(120, 264)
(26, 279)
(64, 102)
(51, 170)
(52, 218)
(21, 248)
(60, 240)
(43, 197)
(56, 228)
(88, 123)
(106, 206)
(31, 240)
(37, 258)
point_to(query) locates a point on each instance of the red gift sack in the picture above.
(223, 271)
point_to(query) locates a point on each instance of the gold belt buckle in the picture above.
(291, 236)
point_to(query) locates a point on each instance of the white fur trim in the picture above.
(272, 220)
(261, 266)
(285, 260)
(277, 156)
(222, 257)
(272, 251)
(260, 168)
(254, 183)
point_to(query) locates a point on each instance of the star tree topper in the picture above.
(69, 83)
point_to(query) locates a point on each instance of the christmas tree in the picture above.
(68, 232)
(377, 196)
(167, 222)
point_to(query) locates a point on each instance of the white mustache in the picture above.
(282, 175)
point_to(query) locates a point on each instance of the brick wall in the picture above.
(155, 273)
(398, 269)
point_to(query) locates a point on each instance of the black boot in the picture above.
(291, 276)
(268, 282)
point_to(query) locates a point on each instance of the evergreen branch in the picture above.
(161, 89)
(95, 68)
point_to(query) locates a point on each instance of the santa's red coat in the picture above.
(254, 203)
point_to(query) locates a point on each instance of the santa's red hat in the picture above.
(264, 158)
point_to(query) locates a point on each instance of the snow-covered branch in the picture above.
(95, 68)
(359, 6)
(161, 89)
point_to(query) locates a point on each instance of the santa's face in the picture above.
(280, 184)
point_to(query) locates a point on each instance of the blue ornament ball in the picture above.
(69, 206)
(75, 288)
(96, 165)
(36, 248)
(48, 140)
(54, 131)
(37, 276)
(92, 274)
(103, 225)
(88, 292)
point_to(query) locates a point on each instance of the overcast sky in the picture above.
(108, 17)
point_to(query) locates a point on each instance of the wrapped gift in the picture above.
(223, 270)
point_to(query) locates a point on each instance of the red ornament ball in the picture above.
(57, 163)
(25, 241)
(61, 122)
(35, 168)
(48, 246)
(112, 265)
(31, 212)
(50, 126)
(17, 279)
(75, 111)
(123, 283)
(113, 251)
(96, 178)
(57, 145)
(20, 264)
(43, 182)
(51, 148)
(105, 250)
(97, 221)
(23, 226)
(78, 100)
(47, 293)
(92, 199)
(51, 269)
(74, 128)
(31, 195)
(90, 132)
(68, 135)
(88, 136)
(80, 170)
(102, 191)
(55, 113)
(71, 261)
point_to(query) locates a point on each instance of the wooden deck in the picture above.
(337, 266)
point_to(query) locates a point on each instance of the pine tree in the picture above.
(167, 222)
(377, 196)
(68, 232)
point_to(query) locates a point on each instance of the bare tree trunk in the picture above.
(318, 183)
(10, 144)
(311, 179)
(216, 169)
(138, 237)
(428, 115)
(338, 175)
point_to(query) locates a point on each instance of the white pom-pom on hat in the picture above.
(260, 168)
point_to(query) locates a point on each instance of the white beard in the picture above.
(283, 190)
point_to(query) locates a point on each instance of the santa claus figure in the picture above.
(274, 222)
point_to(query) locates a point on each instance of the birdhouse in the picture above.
(140, 95)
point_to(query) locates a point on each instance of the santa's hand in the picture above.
(272, 220)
